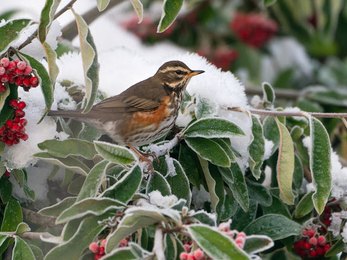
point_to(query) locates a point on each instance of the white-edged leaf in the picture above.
(114, 153)
(138, 7)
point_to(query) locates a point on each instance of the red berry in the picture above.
(16, 120)
(123, 243)
(9, 124)
(18, 81)
(326, 248)
(21, 105)
(307, 245)
(313, 253)
(15, 128)
(24, 137)
(2, 71)
(11, 66)
(320, 251)
(11, 78)
(311, 232)
(186, 247)
(34, 82)
(184, 256)
(198, 254)
(21, 65)
(322, 240)
(4, 78)
(2, 88)
(22, 130)
(191, 257)
(304, 232)
(313, 241)
(19, 113)
(18, 72)
(94, 247)
(103, 242)
(13, 103)
(101, 250)
(16, 141)
(24, 122)
(4, 62)
(7, 173)
(26, 82)
(98, 256)
(9, 142)
(28, 70)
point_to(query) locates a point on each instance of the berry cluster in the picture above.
(98, 250)
(14, 129)
(239, 237)
(16, 72)
(253, 29)
(188, 255)
(222, 57)
(311, 245)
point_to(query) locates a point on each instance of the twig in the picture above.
(38, 219)
(284, 113)
(35, 235)
(33, 36)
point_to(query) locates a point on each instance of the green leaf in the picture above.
(209, 150)
(3, 96)
(205, 108)
(158, 182)
(136, 219)
(171, 9)
(259, 193)
(90, 61)
(138, 7)
(7, 112)
(242, 218)
(271, 132)
(180, 184)
(268, 2)
(114, 153)
(44, 78)
(285, 165)
(5, 189)
(57, 209)
(120, 253)
(234, 178)
(72, 249)
(256, 148)
(170, 247)
(93, 206)
(75, 185)
(296, 133)
(126, 187)
(215, 244)
(190, 164)
(19, 175)
(10, 31)
(277, 207)
(51, 57)
(102, 4)
(69, 147)
(213, 128)
(226, 147)
(205, 218)
(22, 227)
(298, 175)
(93, 181)
(274, 226)
(257, 243)
(68, 163)
(337, 248)
(47, 17)
(12, 216)
(268, 94)
(22, 250)
(304, 206)
(320, 164)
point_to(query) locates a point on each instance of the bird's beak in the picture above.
(195, 72)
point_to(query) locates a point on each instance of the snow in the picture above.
(155, 198)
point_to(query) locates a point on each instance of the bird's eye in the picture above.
(179, 72)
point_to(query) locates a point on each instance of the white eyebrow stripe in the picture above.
(173, 69)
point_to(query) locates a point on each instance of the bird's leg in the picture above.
(143, 157)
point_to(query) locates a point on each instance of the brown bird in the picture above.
(144, 112)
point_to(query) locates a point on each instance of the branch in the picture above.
(38, 219)
(35, 235)
(284, 113)
(163, 148)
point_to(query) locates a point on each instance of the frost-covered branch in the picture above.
(285, 113)
(38, 219)
(163, 148)
(158, 244)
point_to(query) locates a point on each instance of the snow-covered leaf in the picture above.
(90, 61)
(102, 4)
(69, 147)
(275, 226)
(215, 244)
(235, 180)
(93, 206)
(285, 165)
(57, 209)
(170, 11)
(114, 153)
(126, 187)
(256, 148)
(271, 132)
(85, 233)
(93, 181)
(268, 94)
(12, 216)
(68, 163)
(209, 150)
(320, 163)
(45, 80)
(213, 128)
(180, 184)
(47, 17)
(10, 31)
(205, 218)
(158, 182)
(205, 108)
(170, 249)
(257, 243)
(22, 250)
(51, 57)
(138, 7)
(304, 206)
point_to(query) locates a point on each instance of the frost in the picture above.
(268, 148)
(171, 171)
(159, 200)
(344, 234)
(199, 197)
(335, 225)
